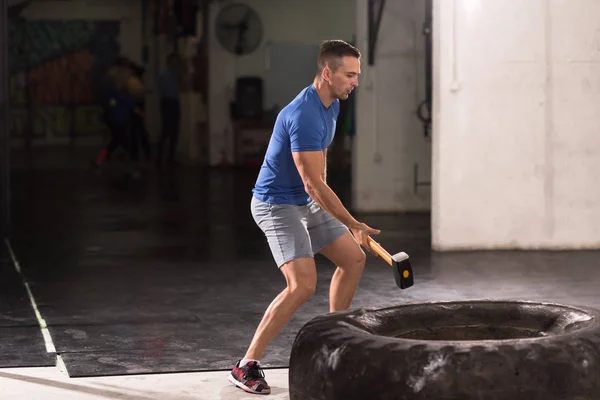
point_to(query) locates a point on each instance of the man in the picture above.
(298, 212)
(118, 105)
(139, 133)
(170, 90)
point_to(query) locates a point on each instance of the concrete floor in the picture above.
(50, 383)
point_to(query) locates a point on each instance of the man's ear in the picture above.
(327, 74)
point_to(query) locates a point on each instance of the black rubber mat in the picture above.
(169, 273)
(152, 348)
(21, 340)
(200, 319)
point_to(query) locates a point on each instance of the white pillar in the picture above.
(389, 138)
(515, 131)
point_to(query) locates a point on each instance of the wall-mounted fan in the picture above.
(239, 28)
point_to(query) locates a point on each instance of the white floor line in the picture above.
(45, 332)
(60, 364)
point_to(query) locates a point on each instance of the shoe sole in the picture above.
(244, 387)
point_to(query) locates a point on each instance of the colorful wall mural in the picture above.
(57, 69)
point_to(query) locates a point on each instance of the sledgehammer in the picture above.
(399, 263)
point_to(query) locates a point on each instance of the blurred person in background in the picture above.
(169, 83)
(139, 133)
(118, 105)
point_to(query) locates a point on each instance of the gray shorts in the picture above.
(295, 231)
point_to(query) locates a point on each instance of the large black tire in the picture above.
(484, 350)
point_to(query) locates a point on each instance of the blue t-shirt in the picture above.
(303, 125)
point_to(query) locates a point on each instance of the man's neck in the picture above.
(323, 92)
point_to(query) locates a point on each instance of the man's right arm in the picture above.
(310, 165)
(306, 139)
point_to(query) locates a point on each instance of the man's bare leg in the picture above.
(350, 259)
(301, 277)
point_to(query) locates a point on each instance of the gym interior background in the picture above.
(471, 142)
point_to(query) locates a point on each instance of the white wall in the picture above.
(390, 139)
(292, 21)
(516, 148)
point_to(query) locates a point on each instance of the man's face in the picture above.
(343, 81)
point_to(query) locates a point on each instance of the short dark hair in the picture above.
(332, 51)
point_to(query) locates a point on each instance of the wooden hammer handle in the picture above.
(376, 247)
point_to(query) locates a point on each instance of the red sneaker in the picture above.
(249, 378)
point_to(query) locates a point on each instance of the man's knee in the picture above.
(303, 286)
(301, 277)
(361, 259)
(356, 263)
(303, 291)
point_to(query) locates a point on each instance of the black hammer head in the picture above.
(402, 270)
